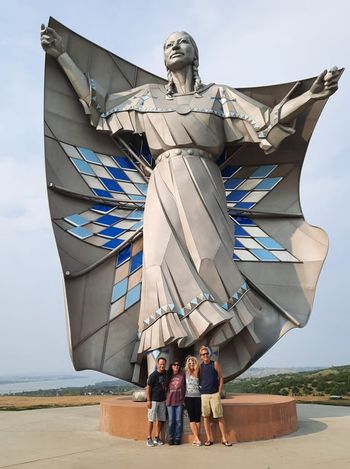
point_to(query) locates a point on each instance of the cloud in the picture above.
(23, 205)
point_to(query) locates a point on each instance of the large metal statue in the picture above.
(228, 259)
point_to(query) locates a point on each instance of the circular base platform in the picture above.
(248, 417)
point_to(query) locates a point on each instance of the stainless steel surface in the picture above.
(192, 290)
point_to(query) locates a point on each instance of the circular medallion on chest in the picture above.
(183, 108)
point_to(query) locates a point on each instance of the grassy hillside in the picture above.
(325, 382)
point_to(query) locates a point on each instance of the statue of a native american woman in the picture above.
(218, 252)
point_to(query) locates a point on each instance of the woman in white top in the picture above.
(193, 397)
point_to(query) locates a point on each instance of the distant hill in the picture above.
(115, 387)
(258, 372)
(305, 381)
(321, 382)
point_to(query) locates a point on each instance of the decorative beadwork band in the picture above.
(184, 152)
(137, 103)
(193, 304)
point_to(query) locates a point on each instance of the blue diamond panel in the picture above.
(263, 171)
(113, 243)
(268, 184)
(136, 215)
(233, 183)
(229, 171)
(111, 185)
(102, 208)
(103, 228)
(124, 162)
(245, 193)
(236, 196)
(124, 255)
(127, 284)
(102, 193)
(243, 205)
(133, 296)
(116, 176)
(253, 244)
(136, 262)
(107, 220)
(145, 152)
(119, 289)
(264, 255)
(83, 167)
(77, 220)
(80, 232)
(89, 155)
(111, 232)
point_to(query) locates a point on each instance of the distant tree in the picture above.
(339, 390)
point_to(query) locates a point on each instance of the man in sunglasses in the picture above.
(211, 385)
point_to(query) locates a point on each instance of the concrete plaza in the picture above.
(68, 438)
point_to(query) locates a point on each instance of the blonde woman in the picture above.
(193, 397)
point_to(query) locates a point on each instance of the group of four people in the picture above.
(198, 388)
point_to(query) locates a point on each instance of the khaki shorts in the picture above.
(211, 403)
(157, 412)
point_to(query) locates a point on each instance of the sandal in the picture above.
(197, 443)
(226, 443)
(208, 443)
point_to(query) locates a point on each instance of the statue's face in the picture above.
(178, 51)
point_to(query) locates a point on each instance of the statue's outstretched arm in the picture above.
(53, 45)
(324, 86)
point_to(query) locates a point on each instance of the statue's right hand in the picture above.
(51, 42)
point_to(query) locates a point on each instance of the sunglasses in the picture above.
(175, 364)
(205, 353)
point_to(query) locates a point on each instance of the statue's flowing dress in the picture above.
(189, 276)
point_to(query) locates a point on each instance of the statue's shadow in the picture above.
(307, 427)
(311, 418)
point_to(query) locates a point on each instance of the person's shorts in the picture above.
(211, 403)
(157, 412)
(193, 407)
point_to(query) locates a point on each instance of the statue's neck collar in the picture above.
(202, 89)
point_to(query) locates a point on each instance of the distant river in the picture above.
(31, 383)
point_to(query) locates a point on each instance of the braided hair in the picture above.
(197, 82)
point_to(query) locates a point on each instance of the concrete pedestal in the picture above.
(248, 417)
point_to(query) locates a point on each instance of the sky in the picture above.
(241, 43)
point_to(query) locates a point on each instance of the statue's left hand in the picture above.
(51, 42)
(325, 84)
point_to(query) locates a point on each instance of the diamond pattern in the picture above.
(127, 282)
(247, 186)
(116, 176)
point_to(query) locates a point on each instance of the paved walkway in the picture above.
(68, 438)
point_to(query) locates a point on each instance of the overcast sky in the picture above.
(241, 43)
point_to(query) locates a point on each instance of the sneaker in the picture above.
(149, 443)
(178, 442)
(157, 441)
(170, 442)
